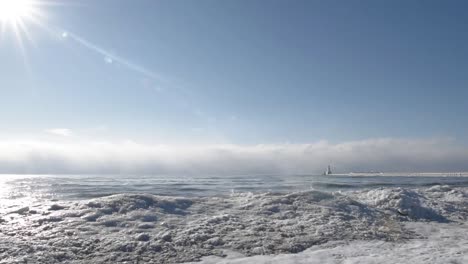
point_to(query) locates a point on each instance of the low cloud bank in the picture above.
(389, 155)
(64, 132)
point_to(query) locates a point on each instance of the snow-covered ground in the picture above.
(440, 243)
(382, 225)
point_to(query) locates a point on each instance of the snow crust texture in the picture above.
(143, 228)
(443, 243)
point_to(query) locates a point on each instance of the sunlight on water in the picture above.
(90, 186)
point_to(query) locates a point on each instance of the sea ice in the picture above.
(386, 225)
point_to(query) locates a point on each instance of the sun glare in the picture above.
(16, 16)
(15, 11)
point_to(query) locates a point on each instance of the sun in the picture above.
(16, 16)
(14, 12)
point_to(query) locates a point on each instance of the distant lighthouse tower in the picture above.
(328, 171)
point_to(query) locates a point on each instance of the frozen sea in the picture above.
(397, 218)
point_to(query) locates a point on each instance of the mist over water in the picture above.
(84, 157)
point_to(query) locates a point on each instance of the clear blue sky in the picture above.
(245, 72)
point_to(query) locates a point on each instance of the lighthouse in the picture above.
(328, 171)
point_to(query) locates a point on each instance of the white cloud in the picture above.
(386, 154)
(64, 132)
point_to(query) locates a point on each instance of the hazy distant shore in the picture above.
(405, 174)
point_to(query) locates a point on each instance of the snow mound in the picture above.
(403, 202)
(437, 203)
(158, 229)
(444, 243)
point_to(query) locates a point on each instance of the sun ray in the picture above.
(26, 33)
(19, 39)
(15, 17)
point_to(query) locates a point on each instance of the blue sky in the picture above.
(239, 72)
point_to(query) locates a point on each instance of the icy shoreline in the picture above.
(441, 243)
(404, 174)
(158, 229)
